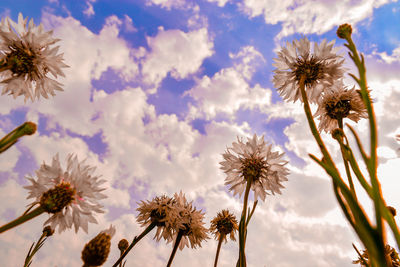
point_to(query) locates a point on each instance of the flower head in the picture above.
(319, 68)
(163, 211)
(390, 253)
(71, 196)
(254, 161)
(224, 224)
(338, 103)
(95, 253)
(26, 59)
(190, 223)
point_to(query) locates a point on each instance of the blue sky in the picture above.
(156, 91)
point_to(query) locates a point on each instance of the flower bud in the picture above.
(344, 31)
(47, 231)
(95, 252)
(123, 244)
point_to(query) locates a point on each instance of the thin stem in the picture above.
(252, 212)
(361, 256)
(31, 253)
(373, 161)
(312, 125)
(346, 162)
(221, 238)
(26, 217)
(242, 226)
(176, 245)
(134, 242)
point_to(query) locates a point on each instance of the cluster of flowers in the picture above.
(322, 74)
(71, 197)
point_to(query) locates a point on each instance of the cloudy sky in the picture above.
(156, 91)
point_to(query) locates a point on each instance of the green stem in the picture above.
(221, 238)
(31, 253)
(242, 226)
(26, 217)
(373, 161)
(346, 162)
(27, 128)
(134, 242)
(252, 212)
(176, 245)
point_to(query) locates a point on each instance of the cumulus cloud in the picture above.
(220, 3)
(89, 11)
(169, 4)
(309, 17)
(228, 90)
(177, 53)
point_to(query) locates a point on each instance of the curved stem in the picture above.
(26, 217)
(221, 238)
(372, 164)
(134, 242)
(176, 245)
(32, 252)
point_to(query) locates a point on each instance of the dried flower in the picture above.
(320, 68)
(26, 59)
(338, 103)
(164, 212)
(71, 196)
(254, 161)
(224, 224)
(389, 252)
(190, 223)
(95, 252)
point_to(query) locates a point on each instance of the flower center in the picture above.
(225, 226)
(253, 167)
(338, 110)
(95, 252)
(310, 68)
(157, 216)
(57, 198)
(21, 60)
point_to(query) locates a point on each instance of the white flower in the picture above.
(71, 196)
(190, 223)
(254, 161)
(320, 67)
(26, 59)
(164, 212)
(338, 103)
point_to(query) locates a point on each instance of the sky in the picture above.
(155, 93)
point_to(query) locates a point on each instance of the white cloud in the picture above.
(177, 53)
(309, 17)
(128, 24)
(88, 56)
(220, 3)
(168, 4)
(228, 90)
(89, 11)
